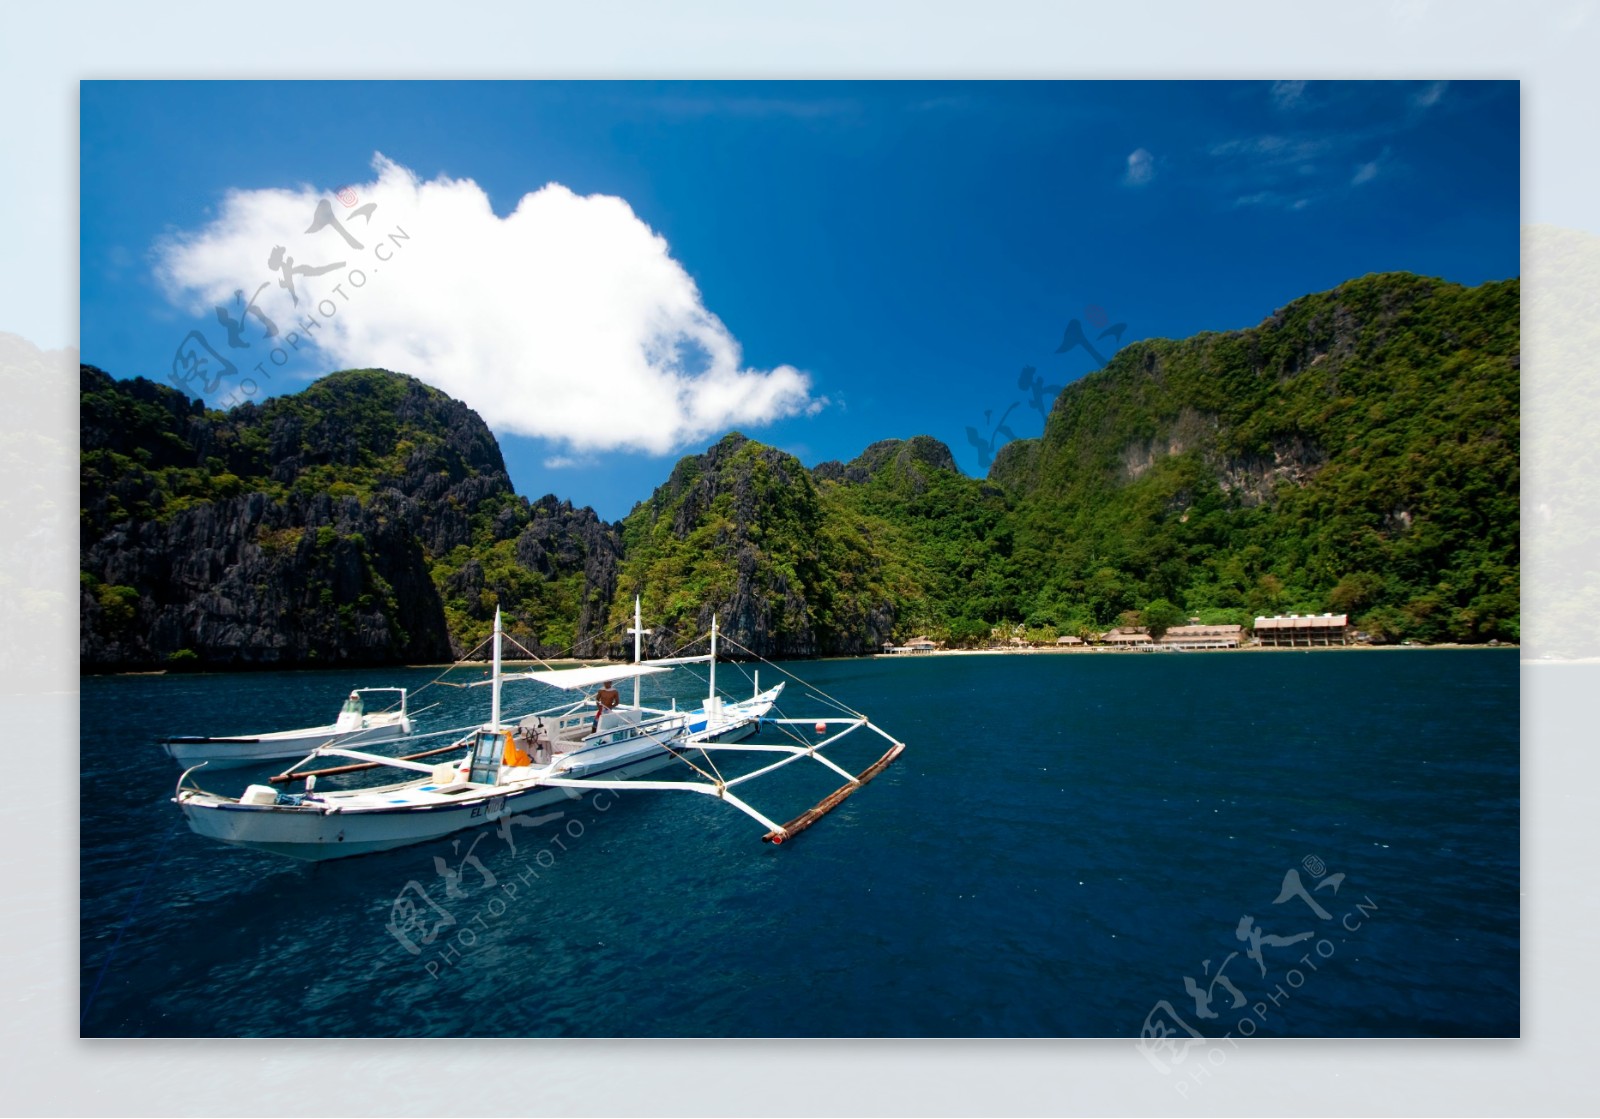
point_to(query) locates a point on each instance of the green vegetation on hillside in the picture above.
(944, 540)
(739, 528)
(1357, 453)
(337, 523)
(150, 453)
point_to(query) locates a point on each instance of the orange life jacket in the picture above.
(514, 754)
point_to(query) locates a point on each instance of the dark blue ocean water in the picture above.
(1066, 838)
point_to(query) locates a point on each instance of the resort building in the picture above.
(1304, 630)
(1127, 638)
(1069, 640)
(1203, 637)
(915, 645)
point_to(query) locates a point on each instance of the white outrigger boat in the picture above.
(542, 759)
(355, 726)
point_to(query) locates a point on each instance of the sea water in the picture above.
(1283, 844)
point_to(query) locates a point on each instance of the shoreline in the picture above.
(1082, 649)
(567, 662)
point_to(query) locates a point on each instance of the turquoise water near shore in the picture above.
(1065, 840)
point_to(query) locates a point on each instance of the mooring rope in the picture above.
(818, 692)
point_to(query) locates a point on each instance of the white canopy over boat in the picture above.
(572, 679)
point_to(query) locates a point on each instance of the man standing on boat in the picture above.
(604, 700)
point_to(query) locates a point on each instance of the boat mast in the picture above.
(494, 706)
(638, 631)
(713, 693)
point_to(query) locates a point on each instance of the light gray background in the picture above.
(43, 54)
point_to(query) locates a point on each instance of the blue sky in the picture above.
(821, 265)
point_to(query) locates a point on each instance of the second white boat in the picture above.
(355, 726)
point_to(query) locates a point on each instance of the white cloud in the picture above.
(567, 320)
(1288, 95)
(1260, 198)
(1272, 198)
(1141, 168)
(1370, 170)
(1271, 149)
(1430, 95)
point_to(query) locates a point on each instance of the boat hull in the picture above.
(340, 825)
(235, 753)
(328, 830)
(736, 721)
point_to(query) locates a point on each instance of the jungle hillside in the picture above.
(1356, 452)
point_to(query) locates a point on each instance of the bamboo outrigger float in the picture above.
(540, 760)
(828, 803)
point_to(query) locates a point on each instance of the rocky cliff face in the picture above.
(550, 567)
(308, 530)
(794, 563)
(739, 524)
(1262, 408)
(1355, 452)
(250, 582)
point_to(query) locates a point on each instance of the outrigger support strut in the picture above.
(828, 803)
(719, 791)
(776, 833)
